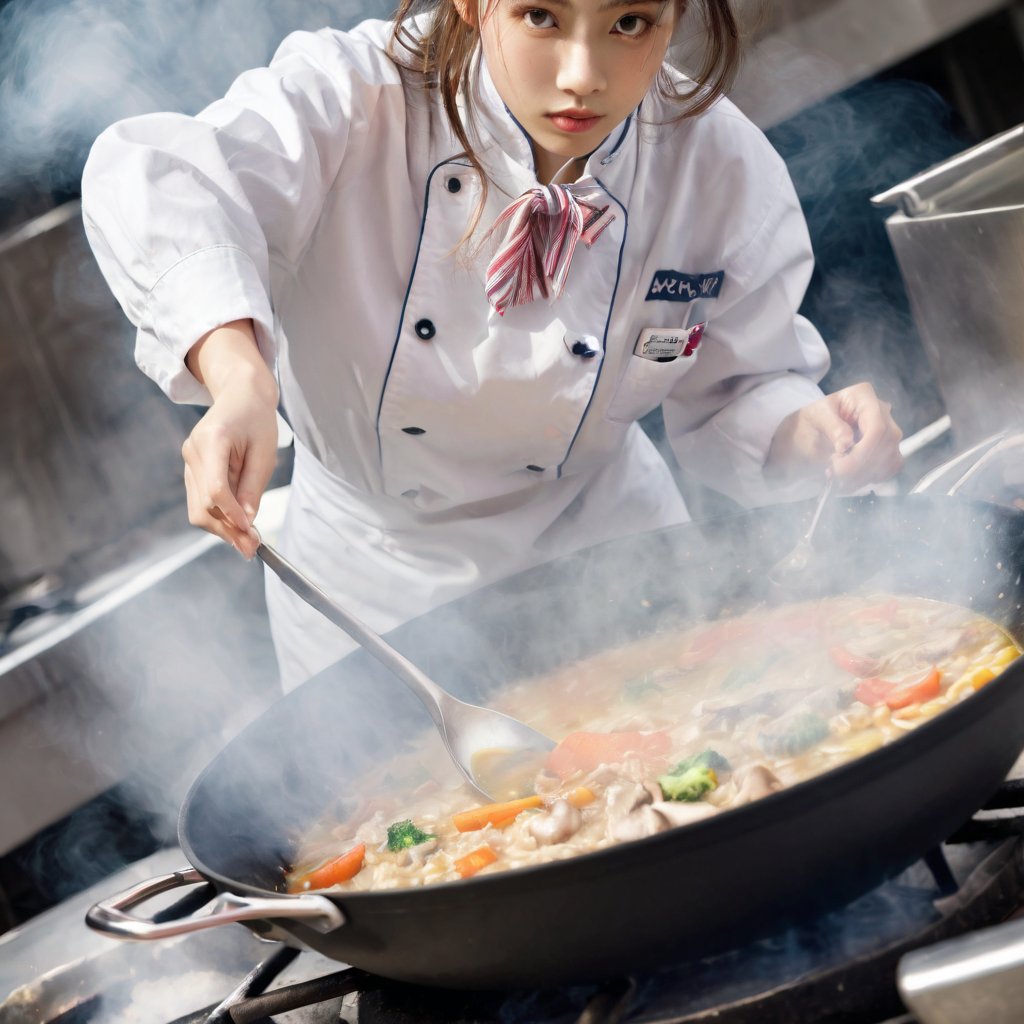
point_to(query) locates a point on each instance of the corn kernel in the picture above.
(980, 676)
(1004, 657)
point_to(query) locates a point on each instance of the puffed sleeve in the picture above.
(187, 215)
(759, 360)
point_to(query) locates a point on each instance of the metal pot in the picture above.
(959, 238)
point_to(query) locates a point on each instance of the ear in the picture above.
(467, 11)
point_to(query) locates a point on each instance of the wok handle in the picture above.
(958, 471)
(111, 916)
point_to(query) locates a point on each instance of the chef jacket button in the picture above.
(453, 185)
(413, 430)
(425, 329)
(583, 350)
(536, 469)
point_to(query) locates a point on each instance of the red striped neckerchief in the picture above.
(545, 225)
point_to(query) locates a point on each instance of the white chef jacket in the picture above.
(439, 446)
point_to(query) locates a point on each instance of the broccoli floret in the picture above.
(404, 834)
(794, 735)
(690, 785)
(694, 776)
(640, 686)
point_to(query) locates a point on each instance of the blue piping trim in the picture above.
(607, 324)
(405, 301)
(529, 141)
(618, 142)
(604, 159)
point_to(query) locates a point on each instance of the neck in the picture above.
(554, 170)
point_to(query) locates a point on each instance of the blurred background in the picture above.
(132, 647)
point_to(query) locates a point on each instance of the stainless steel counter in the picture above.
(810, 49)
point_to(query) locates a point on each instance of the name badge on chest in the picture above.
(663, 344)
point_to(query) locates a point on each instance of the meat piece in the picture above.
(755, 781)
(416, 854)
(622, 801)
(751, 782)
(674, 814)
(419, 853)
(622, 798)
(560, 822)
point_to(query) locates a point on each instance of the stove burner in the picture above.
(839, 969)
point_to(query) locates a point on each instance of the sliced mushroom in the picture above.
(674, 813)
(639, 810)
(755, 781)
(647, 819)
(560, 822)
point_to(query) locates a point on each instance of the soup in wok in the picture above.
(669, 730)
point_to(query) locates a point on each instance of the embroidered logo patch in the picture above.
(672, 286)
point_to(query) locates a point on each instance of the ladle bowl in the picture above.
(498, 754)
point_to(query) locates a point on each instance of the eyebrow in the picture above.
(609, 4)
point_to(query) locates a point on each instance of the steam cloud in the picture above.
(69, 68)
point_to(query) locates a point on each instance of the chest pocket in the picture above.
(647, 382)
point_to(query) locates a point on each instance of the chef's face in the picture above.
(571, 70)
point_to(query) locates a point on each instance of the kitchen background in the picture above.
(132, 646)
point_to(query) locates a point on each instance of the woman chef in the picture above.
(471, 248)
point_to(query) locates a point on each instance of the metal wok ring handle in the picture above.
(971, 462)
(111, 917)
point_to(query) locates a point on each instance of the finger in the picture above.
(212, 469)
(213, 522)
(836, 435)
(255, 474)
(875, 459)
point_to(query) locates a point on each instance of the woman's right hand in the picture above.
(231, 453)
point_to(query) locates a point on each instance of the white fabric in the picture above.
(317, 198)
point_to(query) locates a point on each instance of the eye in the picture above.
(632, 25)
(537, 18)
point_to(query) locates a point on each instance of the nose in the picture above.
(580, 72)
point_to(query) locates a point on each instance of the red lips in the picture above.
(574, 120)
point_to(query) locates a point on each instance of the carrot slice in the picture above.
(874, 692)
(585, 751)
(856, 664)
(493, 814)
(474, 861)
(340, 869)
(916, 693)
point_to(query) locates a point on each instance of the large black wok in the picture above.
(691, 891)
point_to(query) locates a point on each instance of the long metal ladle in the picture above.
(498, 754)
(788, 568)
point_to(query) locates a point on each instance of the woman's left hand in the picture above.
(850, 432)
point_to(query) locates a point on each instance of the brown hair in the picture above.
(443, 55)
